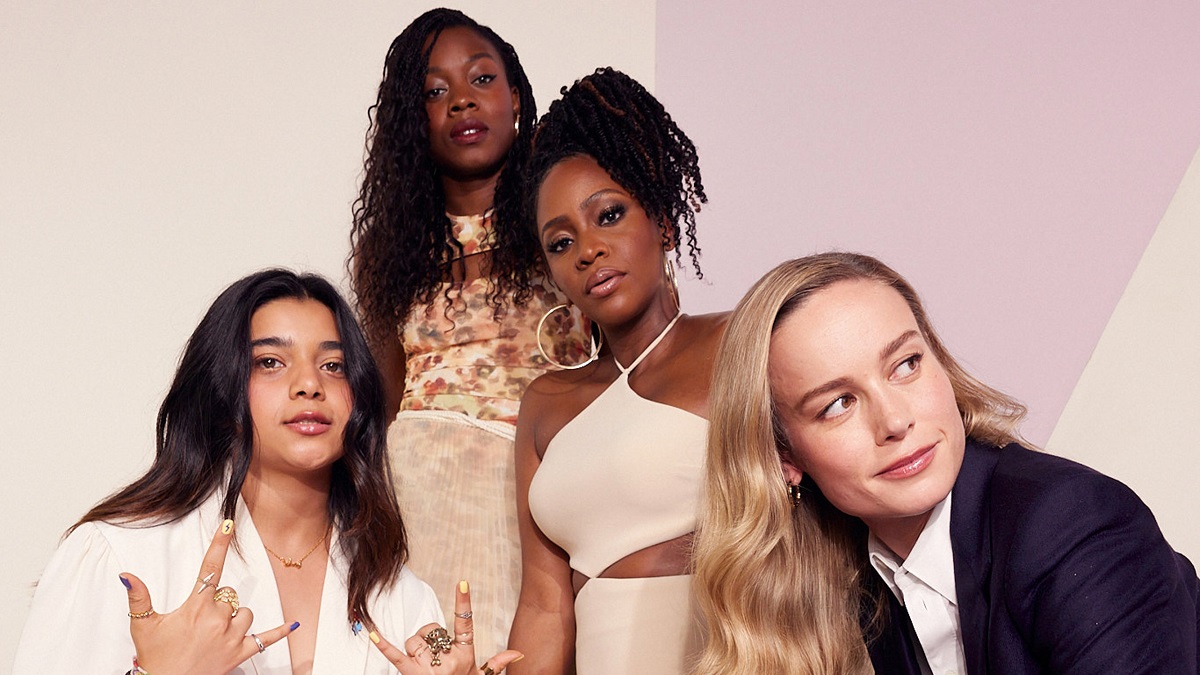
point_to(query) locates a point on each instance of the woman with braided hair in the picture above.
(450, 291)
(610, 455)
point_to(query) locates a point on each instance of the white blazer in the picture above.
(78, 621)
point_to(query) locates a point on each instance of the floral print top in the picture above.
(467, 360)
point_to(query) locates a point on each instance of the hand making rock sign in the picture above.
(208, 633)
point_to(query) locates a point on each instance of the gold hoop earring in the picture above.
(671, 281)
(795, 494)
(596, 344)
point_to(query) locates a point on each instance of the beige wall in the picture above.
(149, 156)
(1133, 413)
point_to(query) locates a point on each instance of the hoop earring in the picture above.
(795, 494)
(670, 272)
(596, 344)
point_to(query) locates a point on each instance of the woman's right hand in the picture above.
(203, 635)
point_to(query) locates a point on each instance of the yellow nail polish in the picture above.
(226, 526)
(463, 587)
(374, 637)
(516, 659)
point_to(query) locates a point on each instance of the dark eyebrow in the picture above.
(270, 342)
(582, 206)
(841, 382)
(470, 59)
(326, 346)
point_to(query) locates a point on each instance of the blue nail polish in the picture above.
(294, 626)
(125, 583)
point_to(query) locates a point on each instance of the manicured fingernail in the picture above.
(226, 526)
(374, 637)
(463, 587)
(516, 659)
(294, 626)
(125, 582)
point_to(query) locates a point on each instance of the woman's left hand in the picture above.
(433, 651)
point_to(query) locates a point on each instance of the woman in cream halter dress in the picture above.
(596, 483)
(610, 456)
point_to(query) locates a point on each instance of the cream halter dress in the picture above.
(623, 475)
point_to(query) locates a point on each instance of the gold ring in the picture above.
(439, 643)
(141, 615)
(228, 596)
(487, 670)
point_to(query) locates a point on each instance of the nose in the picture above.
(461, 99)
(591, 248)
(893, 416)
(306, 383)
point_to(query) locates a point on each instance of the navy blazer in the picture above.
(1058, 569)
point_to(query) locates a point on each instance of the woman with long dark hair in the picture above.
(268, 512)
(450, 292)
(610, 456)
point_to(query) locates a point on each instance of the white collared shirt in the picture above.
(924, 585)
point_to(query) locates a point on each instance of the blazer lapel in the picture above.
(970, 539)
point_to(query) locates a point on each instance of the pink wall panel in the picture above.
(1011, 159)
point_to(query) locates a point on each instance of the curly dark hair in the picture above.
(401, 233)
(611, 118)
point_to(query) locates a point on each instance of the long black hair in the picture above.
(205, 440)
(611, 118)
(401, 233)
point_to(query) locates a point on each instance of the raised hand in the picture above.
(207, 633)
(433, 647)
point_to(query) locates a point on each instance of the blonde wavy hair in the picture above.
(783, 588)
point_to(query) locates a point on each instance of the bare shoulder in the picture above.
(555, 398)
(704, 332)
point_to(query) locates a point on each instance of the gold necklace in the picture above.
(298, 563)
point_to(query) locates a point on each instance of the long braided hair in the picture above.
(401, 233)
(611, 118)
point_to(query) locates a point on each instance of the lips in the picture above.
(603, 282)
(468, 132)
(911, 464)
(309, 423)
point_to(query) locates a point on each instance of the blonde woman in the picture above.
(853, 463)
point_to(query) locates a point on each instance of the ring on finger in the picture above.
(464, 615)
(205, 582)
(261, 647)
(467, 638)
(439, 643)
(487, 669)
(141, 615)
(228, 596)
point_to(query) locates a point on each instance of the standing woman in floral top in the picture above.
(451, 299)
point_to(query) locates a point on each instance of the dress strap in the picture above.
(649, 348)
